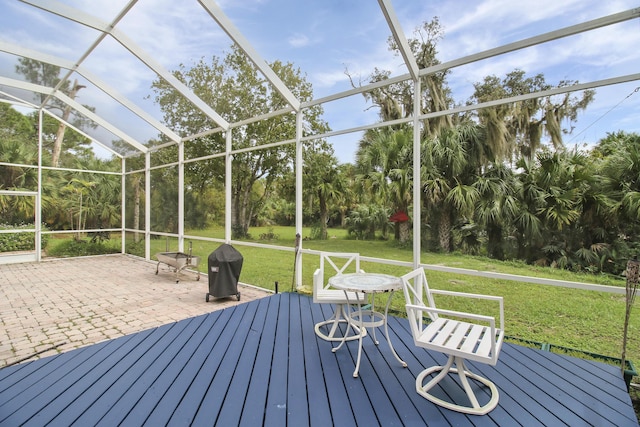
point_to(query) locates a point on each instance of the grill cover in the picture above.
(225, 265)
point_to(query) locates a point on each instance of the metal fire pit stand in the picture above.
(178, 261)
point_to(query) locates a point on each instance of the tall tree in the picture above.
(17, 146)
(19, 150)
(49, 76)
(234, 88)
(518, 128)
(62, 128)
(449, 170)
(396, 100)
(384, 161)
(620, 172)
(497, 206)
(322, 181)
(348, 198)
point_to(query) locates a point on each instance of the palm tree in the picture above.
(497, 206)
(620, 172)
(560, 192)
(451, 163)
(347, 199)
(323, 181)
(384, 159)
(80, 188)
(16, 151)
(622, 169)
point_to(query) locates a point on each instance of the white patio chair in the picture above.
(461, 336)
(335, 263)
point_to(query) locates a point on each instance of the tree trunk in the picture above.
(323, 217)
(57, 145)
(444, 232)
(494, 241)
(239, 225)
(136, 210)
(80, 217)
(404, 231)
(246, 211)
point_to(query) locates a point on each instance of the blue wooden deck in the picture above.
(260, 363)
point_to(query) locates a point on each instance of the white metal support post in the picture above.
(298, 172)
(147, 205)
(227, 186)
(181, 196)
(38, 212)
(123, 200)
(417, 187)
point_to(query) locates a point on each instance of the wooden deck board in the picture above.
(198, 380)
(261, 363)
(130, 383)
(258, 391)
(313, 372)
(337, 394)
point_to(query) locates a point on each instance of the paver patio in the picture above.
(58, 305)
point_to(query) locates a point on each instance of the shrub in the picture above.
(73, 247)
(11, 242)
(134, 248)
(270, 235)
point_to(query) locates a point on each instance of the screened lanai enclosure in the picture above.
(150, 120)
(179, 126)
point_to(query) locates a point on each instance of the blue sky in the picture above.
(326, 37)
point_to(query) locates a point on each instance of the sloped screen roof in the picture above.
(115, 49)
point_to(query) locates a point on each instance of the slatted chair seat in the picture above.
(462, 336)
(335, 263)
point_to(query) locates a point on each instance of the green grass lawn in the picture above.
(584, 320)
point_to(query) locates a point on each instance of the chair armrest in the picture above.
(465, 294)
(498, 299)
(460, 314)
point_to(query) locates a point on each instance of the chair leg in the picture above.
(463, 374)
(340, 315)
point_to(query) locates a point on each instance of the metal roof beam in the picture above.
(86, 54)
(80, 17)
(399, 37)
(83, 133)
(17, 100)
(76, 106)
(235, 34)
(539, 39)
(113, 93)
(100, 121)
(511, 47)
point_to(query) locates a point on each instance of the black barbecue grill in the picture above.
(225, 264)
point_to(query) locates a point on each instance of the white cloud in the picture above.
(328, 79)
(507, 17)
(298, 40)
(174, 32)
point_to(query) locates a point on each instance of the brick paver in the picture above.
(70, 303)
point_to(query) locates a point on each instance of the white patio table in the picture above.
(368, 284)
